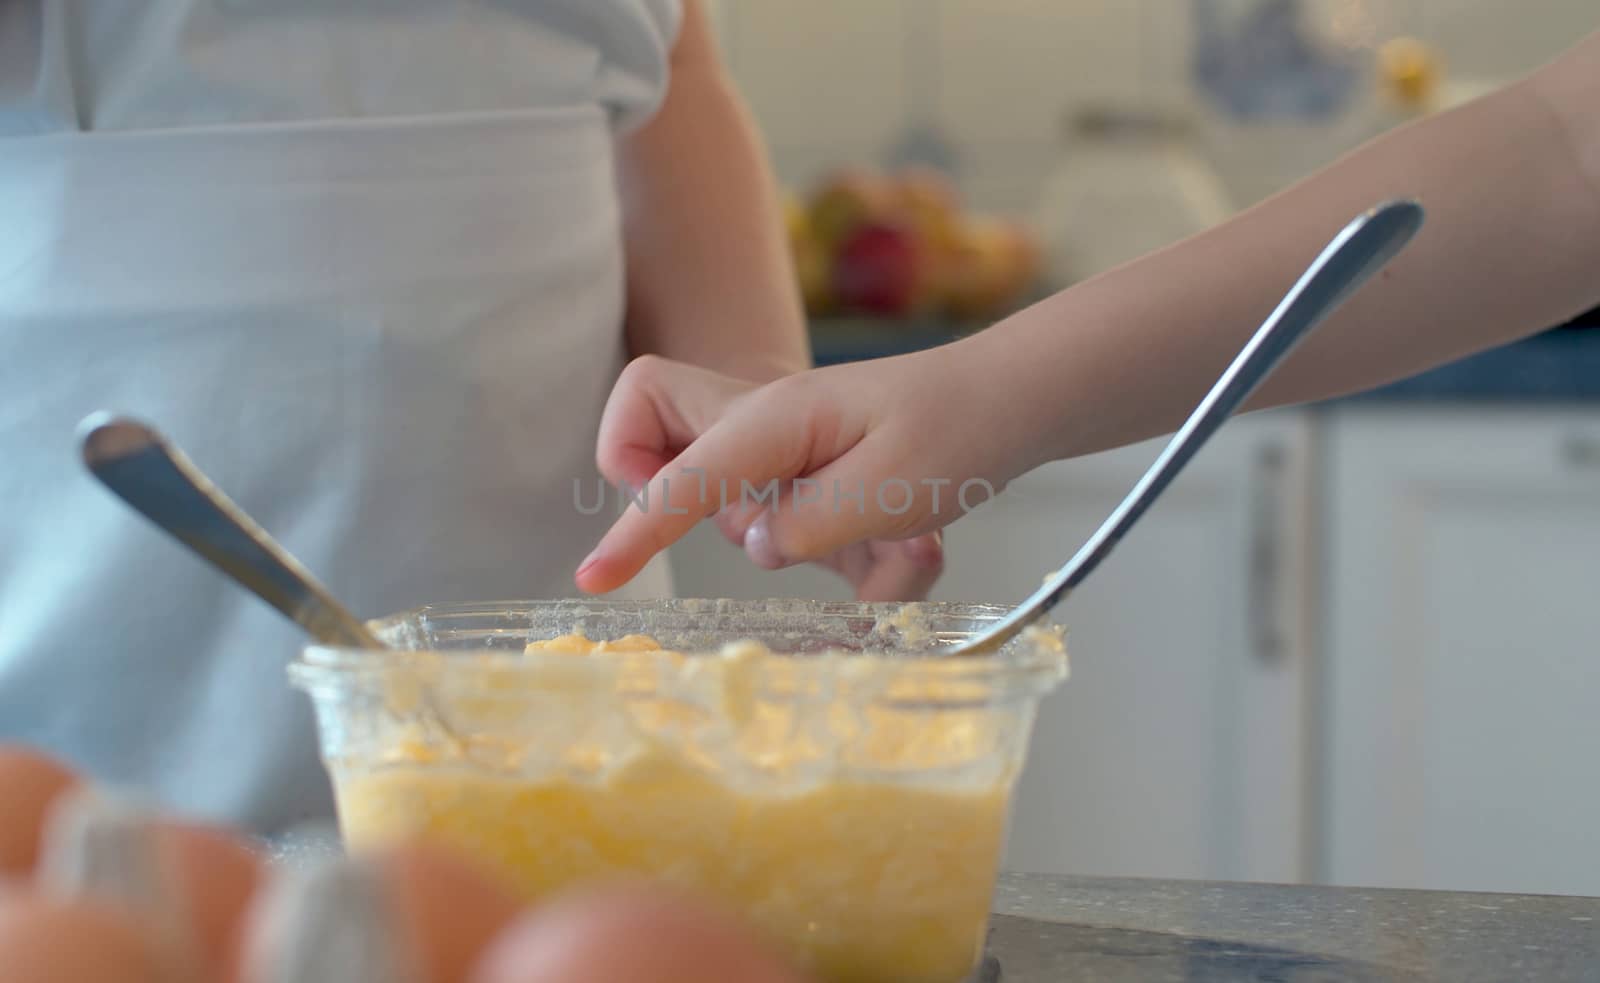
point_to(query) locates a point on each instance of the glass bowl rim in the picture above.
(1020, 658)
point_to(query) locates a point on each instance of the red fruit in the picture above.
(880, 270)
(847, 200)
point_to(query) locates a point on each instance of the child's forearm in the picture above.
(1511, 246)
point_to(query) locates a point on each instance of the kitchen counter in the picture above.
(849, 339)
(1557, 367)
(1102, 930)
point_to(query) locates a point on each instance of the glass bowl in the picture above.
(815, 767)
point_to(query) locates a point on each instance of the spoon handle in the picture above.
(1354, 255)
(160, 481)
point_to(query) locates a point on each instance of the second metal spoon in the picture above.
(1355, 254)
(160, 481)
(145, 470)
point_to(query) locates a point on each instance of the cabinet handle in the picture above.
(1581, 451)
(1266, 555)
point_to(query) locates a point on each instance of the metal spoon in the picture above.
(1355, 254)
(148, 472)
(145, 470)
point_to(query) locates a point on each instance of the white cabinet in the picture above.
(1176, 748)
(1462, 696)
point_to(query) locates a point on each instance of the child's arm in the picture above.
(1511, 184)
(709, 277)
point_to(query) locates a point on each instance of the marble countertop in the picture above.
(1106, 931)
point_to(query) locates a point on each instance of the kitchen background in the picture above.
(1357, 643)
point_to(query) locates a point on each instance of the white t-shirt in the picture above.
(108, 65)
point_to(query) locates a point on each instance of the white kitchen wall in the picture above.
(1012, 72)
(825, 78)
(837, 81)
(1499, 39)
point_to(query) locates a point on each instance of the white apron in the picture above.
(389, 339)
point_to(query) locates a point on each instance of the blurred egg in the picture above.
(50, 942)
(622, 935)
(451, 908)
(32, 782)
(219, 875)
(189, 884)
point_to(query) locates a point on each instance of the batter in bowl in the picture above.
(860, 829)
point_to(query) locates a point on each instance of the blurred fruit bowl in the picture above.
(903, 246)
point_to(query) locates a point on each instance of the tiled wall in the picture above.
(839, 80)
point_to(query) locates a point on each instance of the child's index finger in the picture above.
(733, 462)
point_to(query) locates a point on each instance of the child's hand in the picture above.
(856, 465)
